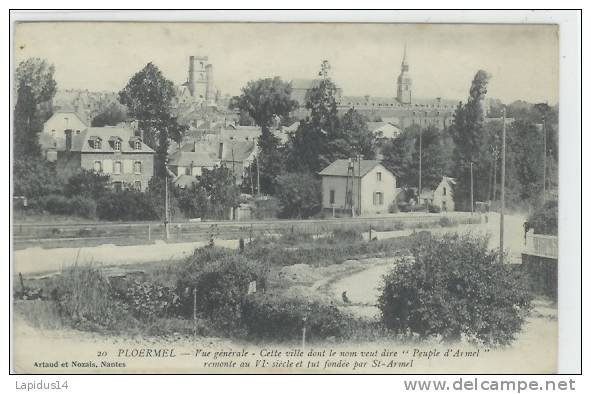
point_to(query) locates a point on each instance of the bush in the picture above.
(434, 209)
(126, 205)
(453, 286)
(220, 279)
(272, 317)
(299, 195)
(445, 222)
(85, 298)
(267, 208)
(88, 184)
(60, 205)
(544, 220)
(393, 207)
(149, 301)
(346, 235)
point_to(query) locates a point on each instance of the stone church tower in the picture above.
(404, 92)
(200, 79)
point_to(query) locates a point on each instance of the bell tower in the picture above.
(404, 91)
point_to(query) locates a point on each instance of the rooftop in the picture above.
(340, 167)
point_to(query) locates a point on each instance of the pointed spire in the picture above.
(404, 56)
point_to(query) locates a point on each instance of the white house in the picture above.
(348, 184)
(62, 120)
(383, 130)
(442, 196)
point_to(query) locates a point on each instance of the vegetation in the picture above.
(148, 97)
(77, 205)
(112, 115)
(264, 100)
(544, 219)
(299, 195)
(453, 286)
(126, 205)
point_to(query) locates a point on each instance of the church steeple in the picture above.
(404, 91)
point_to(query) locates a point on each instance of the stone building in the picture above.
(110, 150)
(403, 109)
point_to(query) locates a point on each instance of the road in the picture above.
(362, 287)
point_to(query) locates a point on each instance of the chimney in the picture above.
(68, 133)
(221, 151)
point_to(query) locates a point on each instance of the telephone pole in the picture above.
(545, 150)
(502, 229)
(359, 185)
(420, 162)
(471, 189)
(166, 218)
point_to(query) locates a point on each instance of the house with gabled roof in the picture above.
(115, 151)
(364, 187)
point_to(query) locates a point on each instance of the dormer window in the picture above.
(117, 145)
(95, 142)
(137, 145)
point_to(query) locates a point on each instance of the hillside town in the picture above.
(378, 172)
(207, 191)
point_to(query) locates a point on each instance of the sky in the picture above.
(364, 58)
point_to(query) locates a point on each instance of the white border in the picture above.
(570, 148)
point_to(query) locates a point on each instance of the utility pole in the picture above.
(420, 163)
(359, 185)
(545, 149)
(471, 189)
(258, 177)
(166, 218)
(502, 229)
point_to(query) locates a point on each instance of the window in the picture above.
(444, 191)
(137, 167)
(117, 167)
(117, 186)
(378, 198)
(117, 145)
(379, 176)
(98, 166)
(187, 170)
(137, 185)
(53, 133)
(95, 143)
(331, 197)
(137, 145)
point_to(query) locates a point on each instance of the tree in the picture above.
(148, 96)
(454, 286)
(222, 192)
(544, 219)
(401, 156)
(34, 177)
(87, 184)
(112, 115)
(35, 86)
(192, 201)
(325, 136)
(264, 100)
(299, 195)
(318, 139)
(470, 141)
